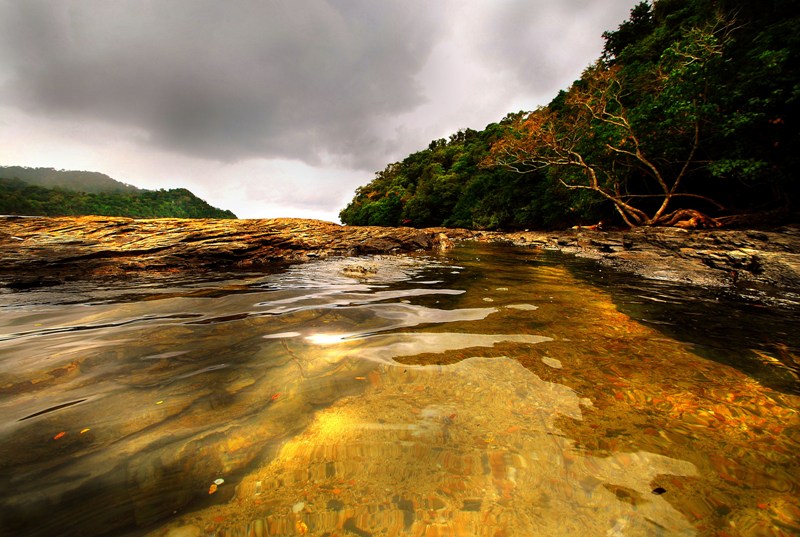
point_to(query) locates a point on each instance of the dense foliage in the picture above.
(19, 197)
(448, 184)
(690, 115)
(78, 181)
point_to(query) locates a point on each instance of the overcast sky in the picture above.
(274, 108)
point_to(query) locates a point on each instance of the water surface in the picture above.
(489, 391)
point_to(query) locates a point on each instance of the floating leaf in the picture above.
(659, 491)
(275, 396)
(60, 435)
(86, 430)
(301, 527)
(219, 481)
(159, 402)
(213, 488)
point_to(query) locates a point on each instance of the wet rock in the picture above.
(40, 251)
(718, 258)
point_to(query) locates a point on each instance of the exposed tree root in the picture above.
(688, 219)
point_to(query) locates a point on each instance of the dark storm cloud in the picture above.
(336, 84)
(224, 80)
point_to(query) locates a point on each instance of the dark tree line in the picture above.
(691, 116)
(20, 198)
(76, 180)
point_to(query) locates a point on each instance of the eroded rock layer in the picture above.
(37, 251)
(34, 249)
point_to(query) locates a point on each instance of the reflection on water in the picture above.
(491, 391)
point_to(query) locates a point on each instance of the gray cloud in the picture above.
(274, 107)
(224, 80)
(538, 43)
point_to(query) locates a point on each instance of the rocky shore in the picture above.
(36, 251)
(761, 259)
(40, 251)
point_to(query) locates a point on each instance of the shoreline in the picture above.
(45, 251)
(723, 258)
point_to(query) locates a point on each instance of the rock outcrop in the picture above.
(39, 251)
(718, 258)
(36, 251)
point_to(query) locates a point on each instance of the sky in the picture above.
(275, 108)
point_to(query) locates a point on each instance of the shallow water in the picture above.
(488, 391)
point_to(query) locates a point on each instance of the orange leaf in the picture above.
(213, 488)
(59, 435)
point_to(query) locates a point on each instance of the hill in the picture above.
(109, 198)
(78, 181)
(690, 117)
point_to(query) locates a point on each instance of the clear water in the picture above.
(489, 391)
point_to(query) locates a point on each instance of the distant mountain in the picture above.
(78, 181)
(77, 193)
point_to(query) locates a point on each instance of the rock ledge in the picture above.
(36, 251)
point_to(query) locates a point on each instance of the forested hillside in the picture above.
(19, 197)
(78, 181)
(690, 116)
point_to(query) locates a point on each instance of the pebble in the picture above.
(552, 362)
(523, 307)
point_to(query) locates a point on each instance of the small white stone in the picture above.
(523, 307)
(552, 362)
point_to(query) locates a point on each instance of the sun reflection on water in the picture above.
(327, 339)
